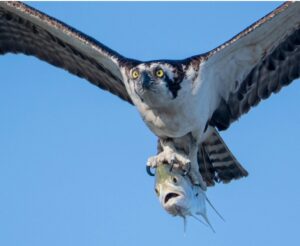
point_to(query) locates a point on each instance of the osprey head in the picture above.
(155, 83)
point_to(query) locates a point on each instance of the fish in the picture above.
(179, 197)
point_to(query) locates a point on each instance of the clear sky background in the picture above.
(72, 157)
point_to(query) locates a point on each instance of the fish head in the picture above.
(176, 193)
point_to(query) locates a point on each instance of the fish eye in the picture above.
(135, 74)
(159, 73)
(156, 191)
(175, 180)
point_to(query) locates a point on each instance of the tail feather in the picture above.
(217, 163)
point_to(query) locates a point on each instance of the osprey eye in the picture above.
(159, 73)
(135, 74)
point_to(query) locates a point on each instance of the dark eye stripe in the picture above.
(173, 86)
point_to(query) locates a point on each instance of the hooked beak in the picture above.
(146, 81)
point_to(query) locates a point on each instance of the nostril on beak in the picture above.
(170, 196)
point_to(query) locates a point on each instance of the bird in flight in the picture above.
(184, 102)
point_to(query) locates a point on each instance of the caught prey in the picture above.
(179, 196)
(183, 102)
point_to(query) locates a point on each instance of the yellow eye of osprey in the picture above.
(159, 73)
(135, 74)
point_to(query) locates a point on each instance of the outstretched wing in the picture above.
(252, 65)
(31, 32)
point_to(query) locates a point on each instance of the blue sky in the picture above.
(72, 157)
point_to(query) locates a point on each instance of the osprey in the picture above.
(184, 102)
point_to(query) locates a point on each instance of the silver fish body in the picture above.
(178, 195)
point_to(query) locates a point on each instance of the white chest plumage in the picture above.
(188, 112)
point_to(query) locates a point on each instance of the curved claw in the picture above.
(186, 172)
(148, 169)
(171, 166)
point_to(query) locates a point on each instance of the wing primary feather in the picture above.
(26, 30)
(276, 68)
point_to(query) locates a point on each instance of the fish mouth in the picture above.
(170, 196)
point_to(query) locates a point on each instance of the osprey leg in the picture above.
(194, 173)
(170, 153)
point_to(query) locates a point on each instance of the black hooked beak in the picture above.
(146, 81)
